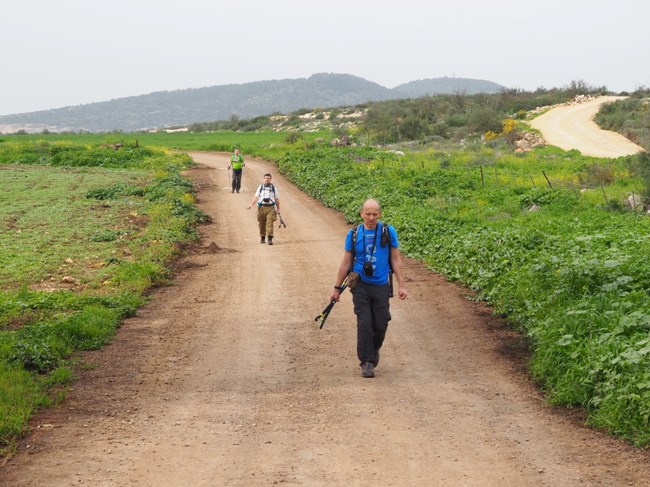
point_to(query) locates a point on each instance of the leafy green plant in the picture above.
(105, 236)
(117, 189)
(35, 356)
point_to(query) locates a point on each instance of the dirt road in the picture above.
(572, 127)
(224, 379)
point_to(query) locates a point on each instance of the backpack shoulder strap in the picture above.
(385, 240)
(385, 235)
(355, 232)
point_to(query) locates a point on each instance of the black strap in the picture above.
(355, 233)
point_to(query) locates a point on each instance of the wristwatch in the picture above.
(338, 288)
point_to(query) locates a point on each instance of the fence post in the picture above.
(602, 186)
(547, 180)
(482, 177)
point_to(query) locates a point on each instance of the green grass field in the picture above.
(86, 232)
(52, 229)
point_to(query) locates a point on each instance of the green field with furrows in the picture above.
(556, 242)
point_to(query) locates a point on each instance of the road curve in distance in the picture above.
(573, 127)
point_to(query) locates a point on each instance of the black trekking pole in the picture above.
(326, 312)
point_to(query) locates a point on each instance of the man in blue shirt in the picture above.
(373, 254)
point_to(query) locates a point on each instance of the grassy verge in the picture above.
(86, 232)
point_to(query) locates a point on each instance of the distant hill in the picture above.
(248, 100)
(437, 86)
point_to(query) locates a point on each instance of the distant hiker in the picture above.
(237, 165)
(371, 254)
(268, 208)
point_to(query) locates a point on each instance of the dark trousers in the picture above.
(236, 179)
(371, 305)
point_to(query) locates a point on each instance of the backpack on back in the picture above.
(271, 191)
(272, 188)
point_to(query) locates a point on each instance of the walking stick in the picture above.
(326, 312)
(282, 224)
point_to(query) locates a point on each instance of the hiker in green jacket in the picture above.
(237, 165)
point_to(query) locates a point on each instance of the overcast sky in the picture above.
(58, 53)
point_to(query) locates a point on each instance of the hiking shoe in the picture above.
(262, 239)
(367, 370)
(270, 240)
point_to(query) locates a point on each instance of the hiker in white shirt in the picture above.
(268, 208)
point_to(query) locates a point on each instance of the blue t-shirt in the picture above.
(363, 252)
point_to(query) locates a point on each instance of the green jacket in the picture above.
(237, 161)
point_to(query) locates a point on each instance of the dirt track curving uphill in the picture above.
(224, 379)
(572, 127)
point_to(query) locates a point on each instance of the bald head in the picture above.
(370, 213)
(371, 203)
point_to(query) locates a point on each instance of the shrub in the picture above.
(485, 119)
(293, 137)
(641, 167)
(597, 174)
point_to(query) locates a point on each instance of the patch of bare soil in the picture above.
(224, 379)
